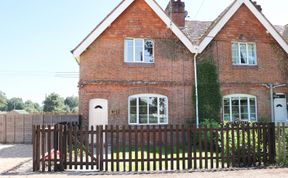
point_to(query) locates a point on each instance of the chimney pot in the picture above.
(285, 33)
(257, 6)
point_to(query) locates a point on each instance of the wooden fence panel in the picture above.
(2, 128)
(19, 129)
(10, 129)
(134, 148)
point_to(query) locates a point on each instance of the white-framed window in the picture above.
(147, 109)
(240, 107)
(137, 50)
(244, 53)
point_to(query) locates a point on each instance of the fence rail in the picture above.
(147, 148)
(17, 128)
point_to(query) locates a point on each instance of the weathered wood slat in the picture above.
(49, 148)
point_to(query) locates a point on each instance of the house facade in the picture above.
(136, 66)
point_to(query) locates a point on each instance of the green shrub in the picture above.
(244, 145)
(282, 146)
(210, 99)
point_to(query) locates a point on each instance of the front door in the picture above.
(280, 108)
(98, 112)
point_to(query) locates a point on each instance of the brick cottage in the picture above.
(136, 66)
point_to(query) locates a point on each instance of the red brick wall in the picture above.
(171, 74)
(244, 27)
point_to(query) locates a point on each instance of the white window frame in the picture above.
(143, 48)
(137, 109)
(248, 102)
(247, 52)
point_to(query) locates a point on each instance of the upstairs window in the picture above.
(240, 107)
(243, 53)
(138, 51)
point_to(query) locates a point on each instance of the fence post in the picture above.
(43, 140)
(101, 148)
(34, 147)
(272, 143)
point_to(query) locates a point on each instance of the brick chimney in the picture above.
(257, 6)
(176, 12)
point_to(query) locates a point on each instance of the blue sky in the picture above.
(36, 38)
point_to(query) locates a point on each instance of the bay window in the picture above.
(239, 107)
(145, 109)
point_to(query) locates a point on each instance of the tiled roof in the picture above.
(195, 30)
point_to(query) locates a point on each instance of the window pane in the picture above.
(243, 53)
(252, 109)
(163, 110)
(226, 101)
(244, 116)
(252, 101)
(128, 50)
(252, 117)
(133, 110)
(251, 54)
(244, 108)
(138, 50)
(153, 110)
(227, 117)
(143, 110)
(235, 53)
(148, 53)
(226, 109)
(235, 109)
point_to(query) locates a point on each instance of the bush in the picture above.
(210, 99)
(243, 148)
(206, 136)
(281, 146)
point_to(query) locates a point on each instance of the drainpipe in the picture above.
(271, 86)
(196, 88)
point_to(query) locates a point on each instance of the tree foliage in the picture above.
(54, 103)
(15, 104)
(31, 107)
(208, 91)
(71, 103)
(3, 101)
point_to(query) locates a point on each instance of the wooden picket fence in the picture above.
(152, 148)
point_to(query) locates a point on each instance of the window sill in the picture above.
(245, 66)
(131, 64)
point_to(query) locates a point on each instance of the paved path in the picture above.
(16, 159)
(13, 155)
(257, 173)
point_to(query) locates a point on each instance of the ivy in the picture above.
(209, 96)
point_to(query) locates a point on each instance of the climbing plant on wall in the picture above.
(208, 91)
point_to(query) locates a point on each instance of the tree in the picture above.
(72, 103)
(208, 91)
(54, 103)
(3, 101)
(31, 107)
(15, 104)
